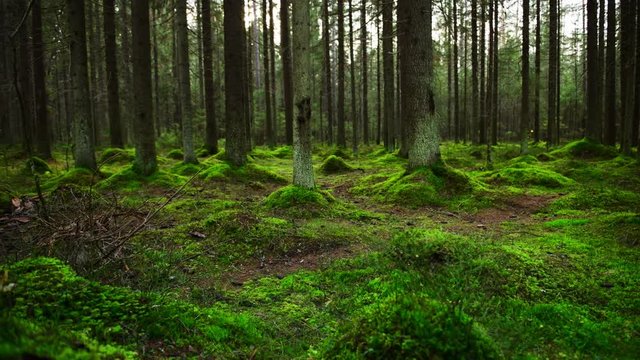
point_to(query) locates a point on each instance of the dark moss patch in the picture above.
(544, 157)
(116, 156)
(523, 174)
(73, 177)
(186, 169)
(335, 165)
(175, 154)
(599, 198)
(129, 180)
(252, 172)
(585, 149)
(35, 165)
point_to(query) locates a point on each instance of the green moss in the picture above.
(585, 149)
(175, 154)
(251, 172)
(523, 174)
(335, 165)
(425, 249)
(599, 198)
(117, 156)
(562, 223)
(202, 153)
(75, 177)
(524, 159)
(408, 326)
(35, 165)
(129, 180)
(185, 169)
(294, 196)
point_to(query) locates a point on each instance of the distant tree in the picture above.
(553, 70)
(352, 62)
(302, 166)
(524, 107)
(610, 86)
(327, 68)
(268, 122)
(113, 95)
(82, 128)
(456, 80)
(538, 58)
(364, 73)
(594, 116)
(211, 138)
(43, 145)
(627, 69)
(475, 71)
(342, 142)
(234, 59)
(388, 69)
(287, 80)
(415, 43)
(182, 47)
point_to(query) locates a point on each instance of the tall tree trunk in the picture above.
(113, 95)
(553, 70)
(82, 131)
(145, 163)
(378, 80)
(418, 106)
(610, 86)
(524, 107)
(182, 45)
(354, 107)
(42, 136)
(627, 68)
(272, 56)
(456, 82)
(234, 60)
(287, 86)
(200, 76)
(211, 139)
(125, 91)
(156, 73)
(538, 58)
(496, 67)
(327, 68)
(342, 142)
(636, 116)
(364, 73)
(482, 121)
(601, 66)
(475, 74)
(593, 75)
(268, 122)
(302, 166)
(388, 69)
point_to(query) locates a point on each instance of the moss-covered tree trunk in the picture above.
(82, 129)
(234, 77)
(184, 85)
(143, 125)
(418, 107)
(302, 166)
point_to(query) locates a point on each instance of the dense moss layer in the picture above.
(335, 165)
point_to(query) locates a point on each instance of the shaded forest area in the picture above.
(319, 179)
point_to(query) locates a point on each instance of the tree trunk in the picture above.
(536, 111)
(378, 81)
(364, 73)
(610, 86)
(302, 166)
(211, 139)
(268, 122)
(145, 162)
(388, 69)
(287, 86)
(354, 107)
(553, 70)
(418, 107)
(482, 121)
(593, 75)
(125, 91)
(113, 95)
(234, 59)
(627, 68)
(272, 63)
(327, 68)
(81, 114)
(456, 82)
(496, 67)
(342, 142)
(184, 85)
(524, 107)
(43, 145)
(475, 75)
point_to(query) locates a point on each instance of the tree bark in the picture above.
(272, 56)
(524, 107)
(287, 86)
(538, 58)
(475, 74)
(593, 74)
(327, 68)
(145, 163)
(184, 85)
(342, 142)
(627, 68)
(388, 70)
(610, 86)
(354, 106)
(268, 122)
(553, 70)
(42, 136)
(211, 139)
(364, 73)
(456, 82)
(113, 95)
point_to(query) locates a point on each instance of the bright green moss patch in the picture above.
(295, 196)
(251, 172)
(407, 326)
(116, 156)
(523, 174)
(186, 169)
(75, 177)
(585, 149)
(35, 165)
(598, 198)
(128, 180)
(562, 223)
(175, 154)
(335, 165)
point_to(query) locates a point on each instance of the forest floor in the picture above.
(538, 257)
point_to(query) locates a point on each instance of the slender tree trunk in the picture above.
(82, 131)
(43, 145)
(524, 107)
(354, 107)
(302, 166)
(156, 74)
(636, 117)
(287, 86)
(200, 76)
(182, 38)
(268, 123)
(475, 73)
(125, 91)
(610, 87)
(538, 57)
(456, 82)
(23, 83)
(364, 73)
(601, 66)
(327, 68)
(553, 70)
(418, 106)
(272, 63)
(211, 139)
(593, 75)
(449, 75)
(234, 60)
(378, 81)
(482, 96)
(388, 69)
(627, 68)
(496, 58)
(113, 95)
(145, 163)
(342, 142)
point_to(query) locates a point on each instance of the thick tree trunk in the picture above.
(184, 85)
(211, 139)
(234, 59)
(42, 136)
(113, 95)
(388, 69)
(145, 163)
(536, 111)
(342, 142)
(327, 68)
(524, 107)
(125, 91)
(418, 107)
(354, 106)
(364, 73)
(81, 114)
(553, 70)
(287, 86)
(593, 74)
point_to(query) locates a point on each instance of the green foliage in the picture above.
(335, 165)
(282, 152)
(175, 154)
(407, 326)
(186, 169)
(585, 149)
(523, 174)
(128, 180)
(116, 156)
(35, 165)
(607, 199)
(425, 249)
(249, 173)
(73, 177)
(562, 223)
(296, 196)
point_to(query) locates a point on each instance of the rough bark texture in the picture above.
(553, 70)
(456, 81)
(145, 163)
(342, 142)
(327, 68)
(211, 139)
(418, 108)
(593, 75)
(42, 143)
(524, 107)
(475, 75)
(388, 70)
(536, 111)
(113, 95)
(302, 166)
(287, 86)
(627, 68)
(184, 85)
(354, 107)
(234, 53)
(610, 86)
(365, 73)
(268, 121)
(81, 114)
(272, 72)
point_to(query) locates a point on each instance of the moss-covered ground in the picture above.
(537, 256)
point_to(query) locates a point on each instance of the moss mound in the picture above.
(599, 198)
(175, 154)
(586, 149)
(50, 301)
(335, 165)
(117, 156)
(544, 157)
(294, 196)
(523, 174)
(339, 152)
(221, 171)
(408, 326)
(202, 153)
(422, 250)
(185, 169)
(36, 165)
(129, 180)
(73, 177)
